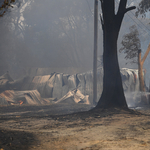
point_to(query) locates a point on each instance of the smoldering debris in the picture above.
(61, 88)
(11, 97)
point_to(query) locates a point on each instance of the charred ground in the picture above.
(51, 127)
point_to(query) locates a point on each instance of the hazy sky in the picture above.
(54, 33)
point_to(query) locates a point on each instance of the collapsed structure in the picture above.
(57, 87)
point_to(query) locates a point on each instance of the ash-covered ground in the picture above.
(65, 127)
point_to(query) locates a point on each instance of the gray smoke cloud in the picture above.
(52, 33)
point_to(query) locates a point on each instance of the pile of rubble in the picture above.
(58, 87)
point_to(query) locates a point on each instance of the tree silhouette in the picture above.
(144, 6)
(131, 45)
(113, 94)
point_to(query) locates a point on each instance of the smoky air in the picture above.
(46, 76)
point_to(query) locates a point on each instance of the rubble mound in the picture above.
(11, 97)
(60, 87)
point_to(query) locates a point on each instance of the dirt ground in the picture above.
(56, 127)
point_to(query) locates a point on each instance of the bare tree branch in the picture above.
(145, 55)
(130, 8)
(122, 7)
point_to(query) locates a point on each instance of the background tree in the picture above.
(59, 39)
(113, 94)
(132, 48)
(144, 6)
(131, 45)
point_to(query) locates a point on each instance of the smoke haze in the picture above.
(56, 34)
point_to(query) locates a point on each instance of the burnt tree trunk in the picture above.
(140, 72)
(113, 94)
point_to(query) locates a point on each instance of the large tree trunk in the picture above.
(113, 94)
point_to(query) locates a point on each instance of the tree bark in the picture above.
(140, 72)
(113, 94)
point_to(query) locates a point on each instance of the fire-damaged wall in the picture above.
(57, 85)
